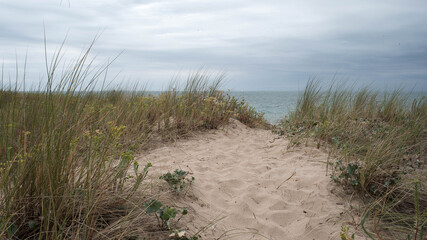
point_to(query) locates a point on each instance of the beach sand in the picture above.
(256, 187)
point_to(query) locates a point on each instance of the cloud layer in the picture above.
(262, 45)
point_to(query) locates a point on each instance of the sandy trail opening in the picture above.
(249, 177)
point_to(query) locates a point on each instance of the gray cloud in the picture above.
(270, 45)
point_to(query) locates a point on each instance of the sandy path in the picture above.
(238, 171)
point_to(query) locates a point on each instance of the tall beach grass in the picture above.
(378, 141)
(67, 168)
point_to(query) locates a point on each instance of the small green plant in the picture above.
(345, 235)
(177, 180)
(348, 175)
(164, 214)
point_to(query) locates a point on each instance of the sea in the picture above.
(277, 105)
(274, 105)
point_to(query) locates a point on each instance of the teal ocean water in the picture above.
(275, 105)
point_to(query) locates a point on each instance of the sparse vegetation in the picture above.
(345, 235)
(379, 144)
(177, 180)
(164, 214)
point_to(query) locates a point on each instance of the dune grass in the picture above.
(67, 166)
(379, 143)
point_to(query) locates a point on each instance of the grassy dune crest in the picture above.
(67, 151)
(379, 143)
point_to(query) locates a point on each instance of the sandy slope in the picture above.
(248, 176)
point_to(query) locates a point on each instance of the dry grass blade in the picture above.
(293, 173)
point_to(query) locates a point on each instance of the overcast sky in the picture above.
(261, 45)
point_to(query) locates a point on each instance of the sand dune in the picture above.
(249, 177)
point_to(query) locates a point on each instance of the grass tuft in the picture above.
(379, 145)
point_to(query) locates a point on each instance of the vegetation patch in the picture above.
(379, 143)
(177, 180)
